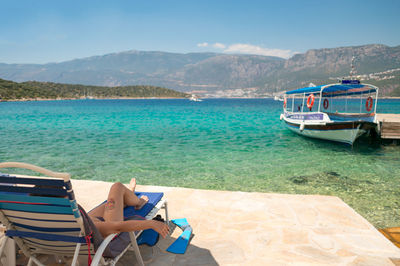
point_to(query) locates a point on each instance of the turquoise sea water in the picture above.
(224, 144)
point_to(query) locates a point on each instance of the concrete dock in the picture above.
(238, 228)
(388, 126)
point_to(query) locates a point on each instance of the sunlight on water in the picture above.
(215, 144)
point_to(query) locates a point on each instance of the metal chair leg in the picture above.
(136, 248)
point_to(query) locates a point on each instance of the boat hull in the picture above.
(345, 132)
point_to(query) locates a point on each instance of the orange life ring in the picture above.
(326, 104)
(369, 103)
(284, 102)
(310, 101)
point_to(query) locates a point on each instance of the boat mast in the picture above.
(376, 99)
(353, 69)
(292, 102)
(320, 98)
(352, 72)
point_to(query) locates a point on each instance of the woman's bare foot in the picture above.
(132, 184)
(143, 200)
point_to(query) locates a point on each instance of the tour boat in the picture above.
(194, 98)
(343, 111)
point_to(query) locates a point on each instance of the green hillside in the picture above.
(389, 87)
(10, 90)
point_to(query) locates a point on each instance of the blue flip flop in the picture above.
(181, 243)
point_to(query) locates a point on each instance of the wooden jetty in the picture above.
(393, 234)
(388, 126)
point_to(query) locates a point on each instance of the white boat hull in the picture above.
(318, 125)
(347, 136)
(326, 122)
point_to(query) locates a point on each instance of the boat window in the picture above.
(351, 104)
(296, 105)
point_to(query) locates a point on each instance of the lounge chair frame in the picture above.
(98, 258)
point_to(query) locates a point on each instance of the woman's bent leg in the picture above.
(119, 197)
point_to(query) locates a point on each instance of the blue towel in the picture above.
(154, 198)
(148, 237)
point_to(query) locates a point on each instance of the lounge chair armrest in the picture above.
(100, 250)
(35, 168)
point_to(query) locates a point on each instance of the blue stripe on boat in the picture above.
(313, 129)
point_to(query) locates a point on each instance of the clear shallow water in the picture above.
(225, 144)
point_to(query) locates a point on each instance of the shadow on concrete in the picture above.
(157, 255)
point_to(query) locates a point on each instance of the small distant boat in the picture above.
(278, 98)
(88, 96)
(356, 118)
(194, 98)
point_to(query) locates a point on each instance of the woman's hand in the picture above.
(160, 227)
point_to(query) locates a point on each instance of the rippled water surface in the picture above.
(225, 144)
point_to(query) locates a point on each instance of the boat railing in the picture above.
(369, 117)
(343, 105)
(309, 117)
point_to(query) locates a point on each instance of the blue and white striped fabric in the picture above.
(43, 217)
(42, 213)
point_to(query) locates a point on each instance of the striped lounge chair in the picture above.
(43, 217)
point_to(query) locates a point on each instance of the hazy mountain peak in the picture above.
(209, 72)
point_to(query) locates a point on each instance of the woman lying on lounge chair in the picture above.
(109, 217)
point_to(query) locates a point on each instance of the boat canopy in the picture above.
(334, 90)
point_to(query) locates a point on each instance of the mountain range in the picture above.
(223, 75)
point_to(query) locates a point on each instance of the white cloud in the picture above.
(242, 48)
(219, 45)
(203, 44)
(253, 49)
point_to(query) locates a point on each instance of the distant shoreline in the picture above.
(394, 97)
(77, 99)
(148, 98)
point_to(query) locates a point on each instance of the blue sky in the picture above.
(54, 31)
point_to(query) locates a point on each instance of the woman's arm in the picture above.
(107, 228)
